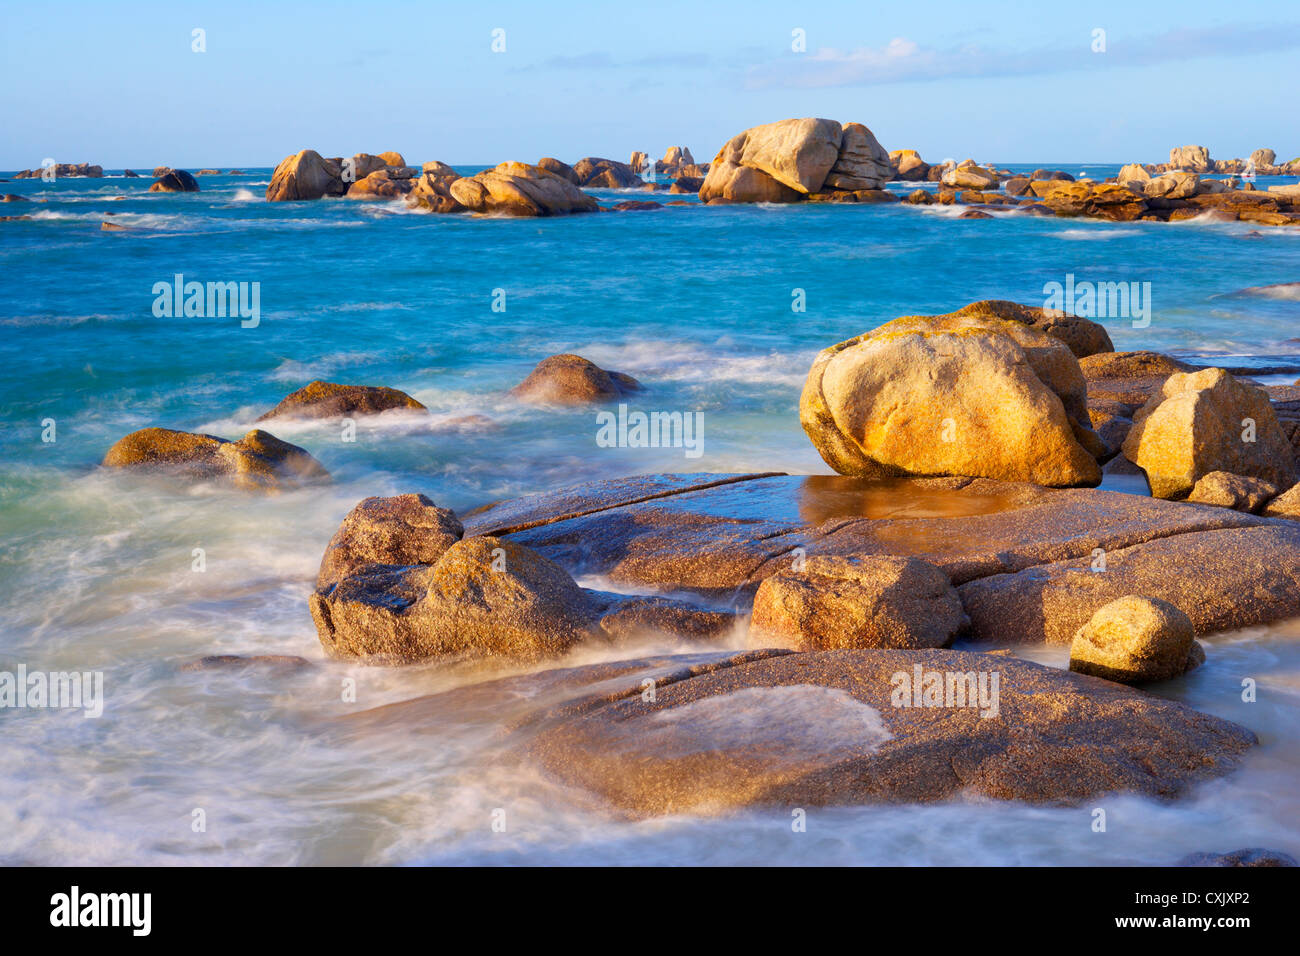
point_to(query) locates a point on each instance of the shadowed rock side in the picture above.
(175, 181)
(961, 394)
(831, 728)
(257, 462)
(572, 380)
(329, 399)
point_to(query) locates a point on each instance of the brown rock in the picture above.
(175, 181)
(563, 170)
(257, 462)
(1208, 421)
(846, 727)
(401, 530)
(518, 189)
(572, 380)
(952, 395)
(306, 175)
(483, 597)
(855, 602)
(1136, 639)
(1223, 580)
(1232, 491)
(330, 400)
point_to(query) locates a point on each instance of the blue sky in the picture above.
(118, 83)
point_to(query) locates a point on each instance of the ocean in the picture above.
(717, 311)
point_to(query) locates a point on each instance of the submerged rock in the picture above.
(257, 462)
(970, 395)
(1206, 421)
(1136, 639)
(331, 400)
(572, 380)
(1252, 856)
(276, 663)
(848, 727)
(856, 602)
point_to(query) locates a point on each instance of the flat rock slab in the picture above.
(822, 728)
(723, 534)
(1222, 579)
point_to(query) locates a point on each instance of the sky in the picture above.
(121, 84)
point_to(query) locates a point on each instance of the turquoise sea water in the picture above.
(95, 569)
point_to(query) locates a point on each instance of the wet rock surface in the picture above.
(257, 462)
(847, 727)
(320, 399)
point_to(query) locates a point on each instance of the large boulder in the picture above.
(175, 181)
(1194, 159)
(572, 380)
(306, 175)
(392, 158)
(909, 166)
(331, 400)
(797, 154)
(862, 163)
(482, 597)
(257, 462)
(952, 395)
(1207, 421)
(400, 531)
(1136, 639)
(519, 189)
(859, 601)
(850, 727)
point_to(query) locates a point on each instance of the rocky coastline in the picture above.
(962, 525)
